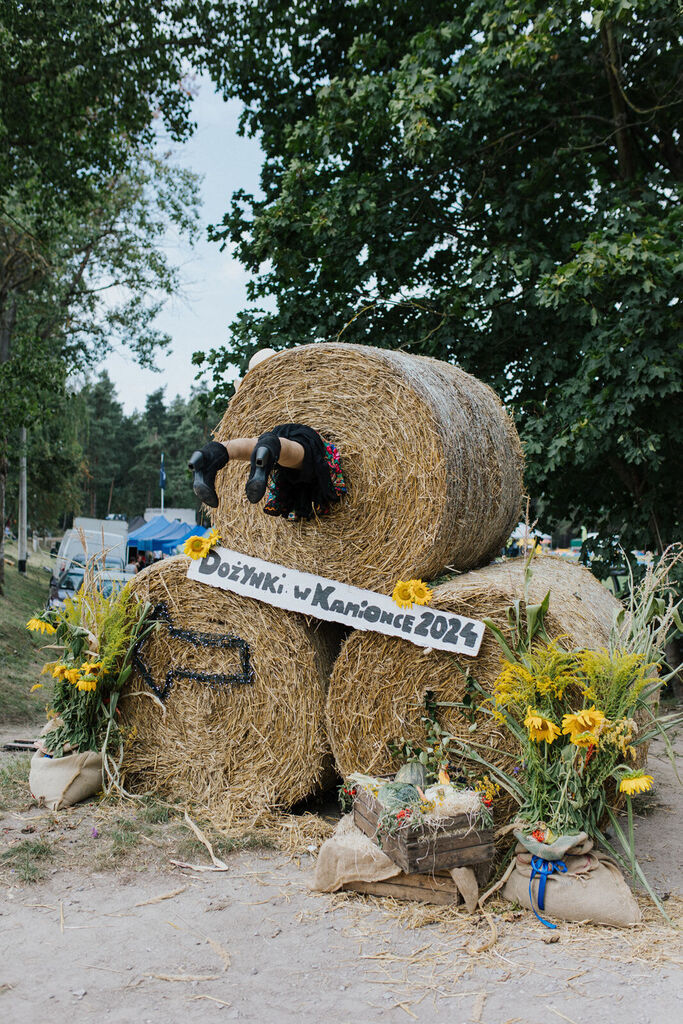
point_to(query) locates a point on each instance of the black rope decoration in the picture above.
(225, 640)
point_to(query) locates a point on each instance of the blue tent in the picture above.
(171, 533)
(154, 526)
(170, 544)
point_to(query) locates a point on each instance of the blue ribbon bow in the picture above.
(543, 868)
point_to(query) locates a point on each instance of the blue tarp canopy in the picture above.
(171, 541)
(154, 526)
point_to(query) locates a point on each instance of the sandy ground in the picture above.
(253, 943)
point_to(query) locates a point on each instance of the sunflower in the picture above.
(72, 675)
(540, 728)
(40, 626)
(584, 739)
(587, 720)
(91, 667)
(420, 592)
(58, 671)
(403, 594)
(86, 683)
(635, 782)
(199, 547)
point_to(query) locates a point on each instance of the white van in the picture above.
(106, 539)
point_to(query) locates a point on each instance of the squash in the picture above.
(413, 773)
(394, 796)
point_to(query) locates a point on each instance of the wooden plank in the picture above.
(440, 890)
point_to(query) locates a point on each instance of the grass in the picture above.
(20, 656)
(14, 791)
(26, 859)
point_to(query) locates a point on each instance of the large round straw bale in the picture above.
(378, 685)
(432, 462)
(241, 746)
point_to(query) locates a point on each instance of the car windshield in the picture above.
(71, 581)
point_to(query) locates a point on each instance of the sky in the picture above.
(213, 283)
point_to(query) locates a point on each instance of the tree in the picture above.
(489, 183)
(77, 281)
(81, 84)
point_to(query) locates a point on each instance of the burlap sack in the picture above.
(58, 782)
(351, 856)
(592, 890)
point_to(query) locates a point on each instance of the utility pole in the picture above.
(162, 482)
(21, 560)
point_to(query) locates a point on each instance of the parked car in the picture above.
(67, 584)
(108, 582)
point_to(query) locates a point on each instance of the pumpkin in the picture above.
(413, 773)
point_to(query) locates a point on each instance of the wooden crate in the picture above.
(438, 889)
(425, 850)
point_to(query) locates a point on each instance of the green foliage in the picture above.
(97, 637)
(490, 183)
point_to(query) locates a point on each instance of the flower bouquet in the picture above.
(579, 718)
(95, 637)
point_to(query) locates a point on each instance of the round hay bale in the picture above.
(378, 685)
(432, 462)
(243, 745)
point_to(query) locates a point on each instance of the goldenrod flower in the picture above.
(36, 686)
(420, 592)
(635, 782)
(86, 683)
(40, 626)
(403, 594)
(587, 720)
(540, 728)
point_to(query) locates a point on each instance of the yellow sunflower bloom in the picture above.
(199, 547)
(584, 739)
(36, 686)
(540, 728)
(90, 667)
(87, 683)
(587, 720)
(59, 671)
(40, 626)
(403, 594)
(635, 782)
(72, 675)
(420, 592)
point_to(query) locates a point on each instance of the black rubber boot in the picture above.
(263, 459)
(204, 464)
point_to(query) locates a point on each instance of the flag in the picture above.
(162, 474)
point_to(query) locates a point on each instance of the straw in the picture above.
(240, 750)
(432, 462)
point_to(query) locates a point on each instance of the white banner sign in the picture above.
(336, 602)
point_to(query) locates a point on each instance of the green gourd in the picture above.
(414, 773)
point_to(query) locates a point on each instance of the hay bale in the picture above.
(237, 748)
(432, 461)
(378, 684)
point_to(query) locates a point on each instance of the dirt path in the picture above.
(254, 944)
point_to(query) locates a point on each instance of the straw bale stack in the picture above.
(239, 749)
(432, 462)
(379, 683)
